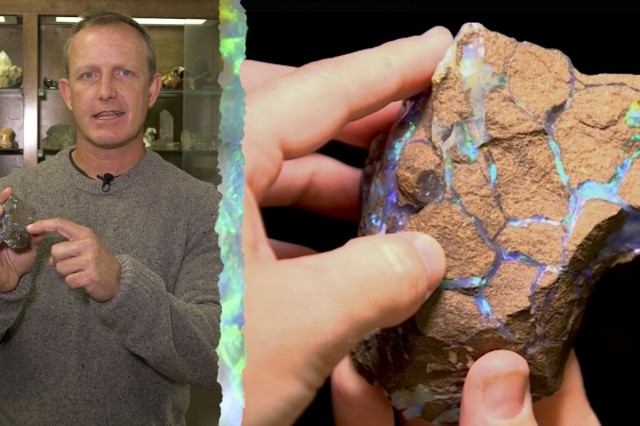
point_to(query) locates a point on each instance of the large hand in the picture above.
(82, 260)
(496, 393)
(304, 314)
(15, 262)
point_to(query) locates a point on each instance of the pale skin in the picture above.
(304, 311)
(109, 90)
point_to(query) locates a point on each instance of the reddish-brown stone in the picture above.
(525, 170)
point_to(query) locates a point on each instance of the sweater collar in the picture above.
(138, 174)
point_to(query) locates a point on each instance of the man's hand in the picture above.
(305, 311)
(82, 260)
(15, 262)
(496, 393)
(303, 314)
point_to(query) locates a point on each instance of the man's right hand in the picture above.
(15, 262)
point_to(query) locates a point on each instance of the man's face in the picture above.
(109, 89)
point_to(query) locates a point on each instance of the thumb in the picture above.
(383, 279)
(496, 392)
(305, 314)
(321, 305)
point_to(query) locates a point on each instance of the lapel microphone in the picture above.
(106, 179)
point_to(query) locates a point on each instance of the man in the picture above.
(113, 309)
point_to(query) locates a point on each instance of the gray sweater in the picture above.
(68, 360)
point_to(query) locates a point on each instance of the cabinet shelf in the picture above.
(168, 93)
(10, 151)
(11, 92)
(164, 93)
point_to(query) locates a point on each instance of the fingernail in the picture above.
(435, 30)
(504, 396)
(432, 256)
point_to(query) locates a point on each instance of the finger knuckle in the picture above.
(72, 281)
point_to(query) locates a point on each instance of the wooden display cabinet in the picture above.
(11, 100)
(34, 41)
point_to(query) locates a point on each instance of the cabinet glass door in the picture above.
(201, 101)
(11, 102)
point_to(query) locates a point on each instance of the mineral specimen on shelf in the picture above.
(7, 138)
(59, 136)
(202, 77)
(10, 74)
(526, 171)
(50, 83)
(15, 217)
(150, 136)
(177, 79)
(166, 127)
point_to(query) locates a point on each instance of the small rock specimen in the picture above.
(176, 79)
(150, 136)
(10, 75)
(50, 83)
(59, 136)
(526, 171)
(166, 127)
(8, 138)
(16, 216)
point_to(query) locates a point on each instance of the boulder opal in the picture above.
(526, 171)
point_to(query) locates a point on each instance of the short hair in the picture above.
(106, 18)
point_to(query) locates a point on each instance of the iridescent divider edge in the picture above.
(231, 351)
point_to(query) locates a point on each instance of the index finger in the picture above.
(69, 230)
(294, 115)
(255, 73)
(4, 195)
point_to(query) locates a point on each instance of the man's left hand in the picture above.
(83, 260)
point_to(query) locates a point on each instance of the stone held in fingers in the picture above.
(15, 217)
(527, 173)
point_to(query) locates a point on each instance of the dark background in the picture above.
(297, 32)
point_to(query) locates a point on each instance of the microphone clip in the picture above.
(106, 179)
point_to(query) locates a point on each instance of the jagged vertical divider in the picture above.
(231, 351)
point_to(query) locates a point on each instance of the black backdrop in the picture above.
(297, 32)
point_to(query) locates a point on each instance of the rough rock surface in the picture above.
(16, 216)
(525, 170)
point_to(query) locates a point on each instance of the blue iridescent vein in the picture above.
(534, 286)
(384, 182)
(470, 282)
(477, 79)
(555, 149)
(390, 172)
(632, 117)
(533, 219)
(493, 175)
(590, 190)
(485, 307)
